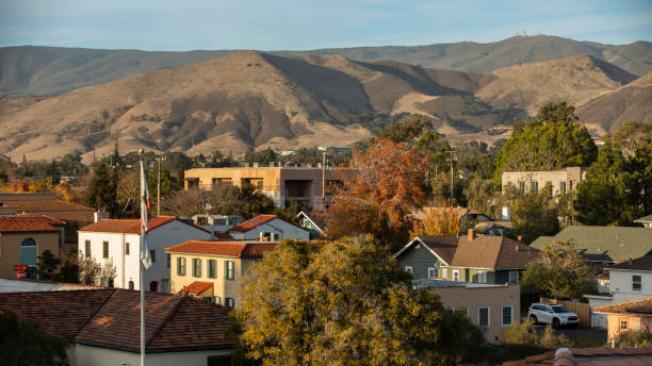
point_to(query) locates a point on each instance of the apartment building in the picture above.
(213, 270)
(562, 181)
(282, 184)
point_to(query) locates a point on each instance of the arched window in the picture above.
(28, 256)
(131, 285)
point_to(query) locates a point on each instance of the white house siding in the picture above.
(88, 355)
(283, 229)
(620, 285)
(127, 266)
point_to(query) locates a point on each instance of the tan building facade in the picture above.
(492, 308)
(213, 271)
(562, 181)
(282, 184)
(626, 316)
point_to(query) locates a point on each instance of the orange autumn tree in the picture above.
(388, 185)
(433, 221)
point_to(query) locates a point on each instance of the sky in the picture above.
(309, 24)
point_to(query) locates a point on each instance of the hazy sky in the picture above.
(294, 24)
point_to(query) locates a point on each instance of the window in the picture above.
(229, 302)
(521, 187)
(507, 315)
(409, 269)
(636, 283)
(196, 267)
(456, 275)
(432, 272)
(181, 266)
(228, 270)
(165, 285)
(562, 187)
(131, 285)
(127, 248)
(513, 276)
(105, 249)
(482, 277)
(534, 187)
(218, 361)
(28, 257)
(212, 268)
(483, 317)
(167, 260)
(87, 248)
(623, 324)
(152, 255)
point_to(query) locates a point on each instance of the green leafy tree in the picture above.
(561, 272)
(534, 215)
(345, 303)
(99, 193)
(526, 334)
(48, 265)
(555, 140)
(23, 343)
(634, 339)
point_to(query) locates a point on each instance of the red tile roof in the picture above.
(636, 307)
(62, 210)
(253, 223)
(109, 317)
(197, 288)
(29, 223)
(128, 226)
(229, 249)
(589, 357)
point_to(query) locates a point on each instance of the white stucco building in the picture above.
(269, 228)
(117, 241)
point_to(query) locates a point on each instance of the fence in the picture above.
(582, 310)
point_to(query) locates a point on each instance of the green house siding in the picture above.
(420, 259)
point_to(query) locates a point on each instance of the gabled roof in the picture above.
(316, 223)
(62, 210)
(29, 223)
(197, 288)
(620, 243)
(108, 318)
(254, 222)
(639, 264)
(219, 248)
(644, 219)
(634, 307)
(495, 252)
(127, 226)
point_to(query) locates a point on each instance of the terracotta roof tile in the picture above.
(109, 318)
(253, 223)
(28, 223)
(197, 288)
(220, 248)
(589, 357)
(638, 307)
(128, 226)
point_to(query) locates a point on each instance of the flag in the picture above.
(144, 206)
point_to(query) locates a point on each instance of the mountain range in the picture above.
(58, 100)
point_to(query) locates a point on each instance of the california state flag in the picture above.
(144, 207)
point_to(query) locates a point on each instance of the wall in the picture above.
(634, 322)
(420, 259)
(87, 355)
(473, 274)
(620, 284)
(473, 298)
(572, 176)
(10, 248)
(284, 229)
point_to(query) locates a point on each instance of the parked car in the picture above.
(555, 314)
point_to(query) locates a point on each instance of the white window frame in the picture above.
(482, 276)
(620, 324)
(456, 275)
(512, 280)
(432, 272)
(502, 315)
(639, 283)
(488, 317)
(409, 269)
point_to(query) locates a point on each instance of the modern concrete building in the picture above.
(213, 270)
(490, 307)
(282, 184)
(562, 181)
(23, 238)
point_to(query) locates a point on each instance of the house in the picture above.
(588, 357)
(23, 238)
(312, 224)
(101, 326)
(562, 181)
(216, 223)
(213, 270)
(115, 242)
(268, 227)
(603, 245)
(628, 315)
(73, 215)
(490, 307)
(284, 185)
(470, 258)
(646, 221)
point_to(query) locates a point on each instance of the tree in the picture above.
(48, 265)
(89, 270)
(345, 303)
(561, 272)
(22, 342)
(526, 334)
(634, 339)
(100, 193)
(387, 186)
(534, 215)
(555, 140)
(433, 221)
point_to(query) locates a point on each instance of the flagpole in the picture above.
(141, 264)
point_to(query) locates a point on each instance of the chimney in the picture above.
(519, 238)
(96, 217)
(516, 247)
(470, 234)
